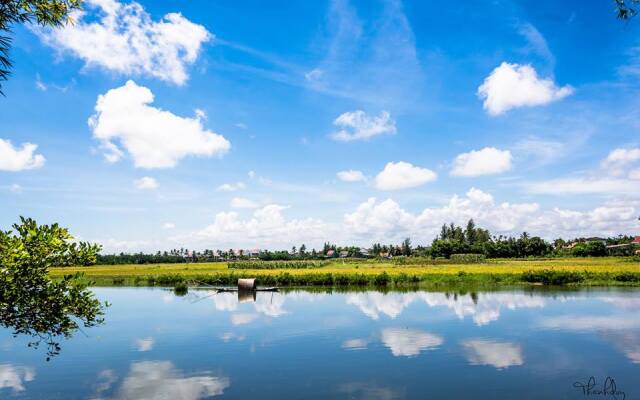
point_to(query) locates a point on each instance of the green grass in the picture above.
(606, 271)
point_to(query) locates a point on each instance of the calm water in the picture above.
(357, 345)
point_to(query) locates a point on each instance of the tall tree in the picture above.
(42, 12)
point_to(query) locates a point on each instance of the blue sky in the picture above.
(215, 124)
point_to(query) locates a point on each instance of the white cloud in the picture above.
(497, 354)
(590, 323)
(241, 202)
(41, 86)
(145, 344)
(146, 183)
(512, 85)
(243, 318)
(251, 174)
(614, 177)
(403, 175)
(409, 342)
(241, 125)
(542, 150)
(15, 159)
(621, 157)
(270, 306)
(357, 125)
(385, 221)
(584, 185)
(231, 187)
(487, 161)
(14, 377)
(483, 309)
(537, 44)
(374, 304)
(355, 344)
(266, 227)
(314, 75)
(168, 225)
(125, 40)
(350, 175)
(161, 380)
(15, 188)
(224, 301)
(155, 138)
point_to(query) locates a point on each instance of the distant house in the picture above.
(330, 253)
(253, 252)
(364, 252)
(636, 240)
(344, 254)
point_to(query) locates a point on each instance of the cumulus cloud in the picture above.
(409, 342)
(13, 377)
(168, 225)
(621, 157)
(241, 202)
(496, 354)
(146, 183)
(161, 380)
(243, 318)
(145, 344)
(487, 161)
(483, 309)
(615, 176)
(124, 39)
(403, 175)
(16, 159)
(387, 221)
(266, 227)
(350, 175)
(154, 138)
(513, 85)
(231, 187)
(358, 125)
(374, 304)
(620, 160)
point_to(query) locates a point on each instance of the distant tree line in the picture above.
(451, 240)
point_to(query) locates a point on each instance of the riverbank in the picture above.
(606, 271)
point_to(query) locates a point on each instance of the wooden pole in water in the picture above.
(247, 284)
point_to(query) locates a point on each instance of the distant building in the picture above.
(344, 254)
(636, 240)
(253, 252)
(331, 253)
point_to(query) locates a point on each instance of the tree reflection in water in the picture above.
(31, 303)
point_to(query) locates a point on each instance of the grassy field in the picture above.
(609, 271)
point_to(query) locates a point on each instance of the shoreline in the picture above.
(606, 271)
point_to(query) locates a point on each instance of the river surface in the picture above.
(351, 345)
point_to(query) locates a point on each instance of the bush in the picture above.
(627, 277)
(181, 289)
(550, 277)
(381, 279)
(468, 258)
(276, 264)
